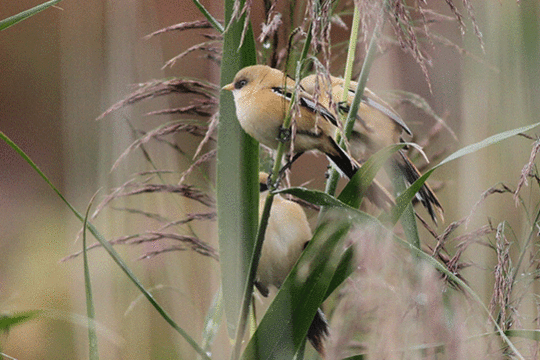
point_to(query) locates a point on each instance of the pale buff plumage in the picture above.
(262, 97)
(287, 233)
(377, 125)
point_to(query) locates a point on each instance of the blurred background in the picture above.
(64, 67)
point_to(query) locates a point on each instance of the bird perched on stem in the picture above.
(377, 125)
(262, 96)
(286, 236)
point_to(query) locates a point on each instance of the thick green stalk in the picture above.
(237, 178)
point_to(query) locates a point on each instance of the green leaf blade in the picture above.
(356, 188)
(110, 250)
(8, 321)
(237, 176)
(406, 197)
(12, 20)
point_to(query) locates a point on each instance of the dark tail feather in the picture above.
(377, 194)
(426, 196)
(318, 331)
(342, 160)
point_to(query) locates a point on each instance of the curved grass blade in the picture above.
(404, 199)
(209, 16)
(355, 357)
(314, 197)
(12, 20)
(7, 321)
(533, 334)
(356, 188)
(408, 218)
(93, 352)
(344, 269)
(108, 247)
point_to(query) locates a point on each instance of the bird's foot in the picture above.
(284, 134)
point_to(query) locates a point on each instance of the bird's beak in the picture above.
(229, 87)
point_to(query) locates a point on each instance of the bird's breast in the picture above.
(261, 117)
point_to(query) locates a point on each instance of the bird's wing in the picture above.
(375, 102)
(307, 102)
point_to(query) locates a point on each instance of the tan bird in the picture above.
(286, 236)
(262, 97)
(377, 126)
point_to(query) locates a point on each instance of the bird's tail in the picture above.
(342, 160)
(318, 331)
(376, 193)
(425, 195)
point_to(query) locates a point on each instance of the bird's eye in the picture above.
(240, 84)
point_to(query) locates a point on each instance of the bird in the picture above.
(286, 236)
(262, 96)
(377, 125)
